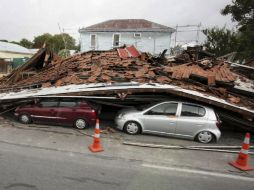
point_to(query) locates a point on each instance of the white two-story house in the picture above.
(147, 36)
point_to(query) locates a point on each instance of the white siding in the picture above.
(153, 42)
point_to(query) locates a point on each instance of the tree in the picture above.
(64, 53)
(242, 12)
(70, 41)
(176, 50)
(221, 41)
(26, 43)
(14, 42)
(55, 42)
(61, 41)
(3, 40)
(41, 39)
(77, 47)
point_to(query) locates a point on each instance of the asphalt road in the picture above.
(24, 167)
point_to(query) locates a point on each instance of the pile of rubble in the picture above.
(127, 64)
(108, 67)
(93, 67)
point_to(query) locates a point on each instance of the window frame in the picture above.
(47, 100)
(95, 41)
(62, 100)
(189, 104)
(114, 38)
(140, 35)
(164, 114)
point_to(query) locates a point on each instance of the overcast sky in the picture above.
(28, 18)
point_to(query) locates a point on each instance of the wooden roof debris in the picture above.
(37, 62)
(206, 74)
(220, 70)
(126, 52)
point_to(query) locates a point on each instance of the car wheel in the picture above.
(80, 124)
(132, 128)
(24, 118)
(205, 137)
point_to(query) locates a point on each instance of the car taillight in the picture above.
(93, 113)
(218, 124)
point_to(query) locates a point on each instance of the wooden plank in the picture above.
(186, 74)
(211, 80)
(223, 74)
(218, 76)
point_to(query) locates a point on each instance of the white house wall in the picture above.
(161, 40)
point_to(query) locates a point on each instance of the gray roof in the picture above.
(127, 25)
(15, 48)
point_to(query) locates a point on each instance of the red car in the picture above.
(65, 111)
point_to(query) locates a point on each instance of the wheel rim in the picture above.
(80, 124)
(132, 128)
(24, 118)
(205, 137)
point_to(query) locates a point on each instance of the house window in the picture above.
(93, 40)
(137, 35)
(116, 40)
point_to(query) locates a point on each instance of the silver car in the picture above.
(178, 119)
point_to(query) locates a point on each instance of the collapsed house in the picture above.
(124, 76)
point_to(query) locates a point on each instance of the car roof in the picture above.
(184, 102)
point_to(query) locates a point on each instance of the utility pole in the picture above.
(62, 32)
(198, 31)
(176, 33)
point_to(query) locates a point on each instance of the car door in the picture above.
(161, 119)
(35, 112)
(67, 111)
(47, 111)
(192, 119)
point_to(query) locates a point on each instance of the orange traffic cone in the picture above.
(243, 157)
(96, 146)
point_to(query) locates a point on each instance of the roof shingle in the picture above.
(127, 25)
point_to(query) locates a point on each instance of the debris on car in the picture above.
(198, 76)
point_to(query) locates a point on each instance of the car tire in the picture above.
(80, 124)
(132, 128)
(25, 119)
(205, 137)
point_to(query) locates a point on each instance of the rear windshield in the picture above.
(91, 104)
